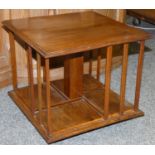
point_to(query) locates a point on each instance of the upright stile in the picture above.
(139, 75)
(31, 79)
(48, 96)
(39, 87)
(123, 77)
(107, 81)
(13, 60)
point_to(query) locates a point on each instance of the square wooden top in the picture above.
(72, 33)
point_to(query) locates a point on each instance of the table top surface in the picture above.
(70, 33)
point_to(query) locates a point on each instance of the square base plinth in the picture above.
(70, 117)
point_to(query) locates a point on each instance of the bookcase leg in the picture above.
(107, 81)
(39, 87)
(48, 95)
(123, 77)
(139, 75)
(30, 78)
(13, 60)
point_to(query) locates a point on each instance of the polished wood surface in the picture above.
(31, 78)
(123, 77)
(76, 103)
(39, 81)
(107, 81)
(139, 75)
(86, 31)
(94, 94)
(13, 60)
(5, 70)
(48, 96)
(71, 117)
(73, 71)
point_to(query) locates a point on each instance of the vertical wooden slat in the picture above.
(139, 75)
(39, 86)
(123, 77)
(13, 60)
(44, 74)
(90, 62)
(48, 96)
(107, 81)
(30, 78)
(98, 64)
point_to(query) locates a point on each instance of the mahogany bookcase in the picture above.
(79, 102)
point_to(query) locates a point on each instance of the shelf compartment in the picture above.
(94, 93)
(71, 117)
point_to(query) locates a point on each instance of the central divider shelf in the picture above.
(94, 94)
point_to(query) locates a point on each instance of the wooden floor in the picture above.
(73, 116)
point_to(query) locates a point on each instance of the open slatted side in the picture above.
(45, 80)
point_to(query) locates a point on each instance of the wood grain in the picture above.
(77, 103)
(78, 30)
(123, 77)
(39, 82)
(31, 78)
(73, 71)
(48, 96)
(139, 75)
(21, 56)
(76, 116)
(107, 81)
(13, 60)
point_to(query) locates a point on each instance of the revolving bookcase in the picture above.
(79, 102)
